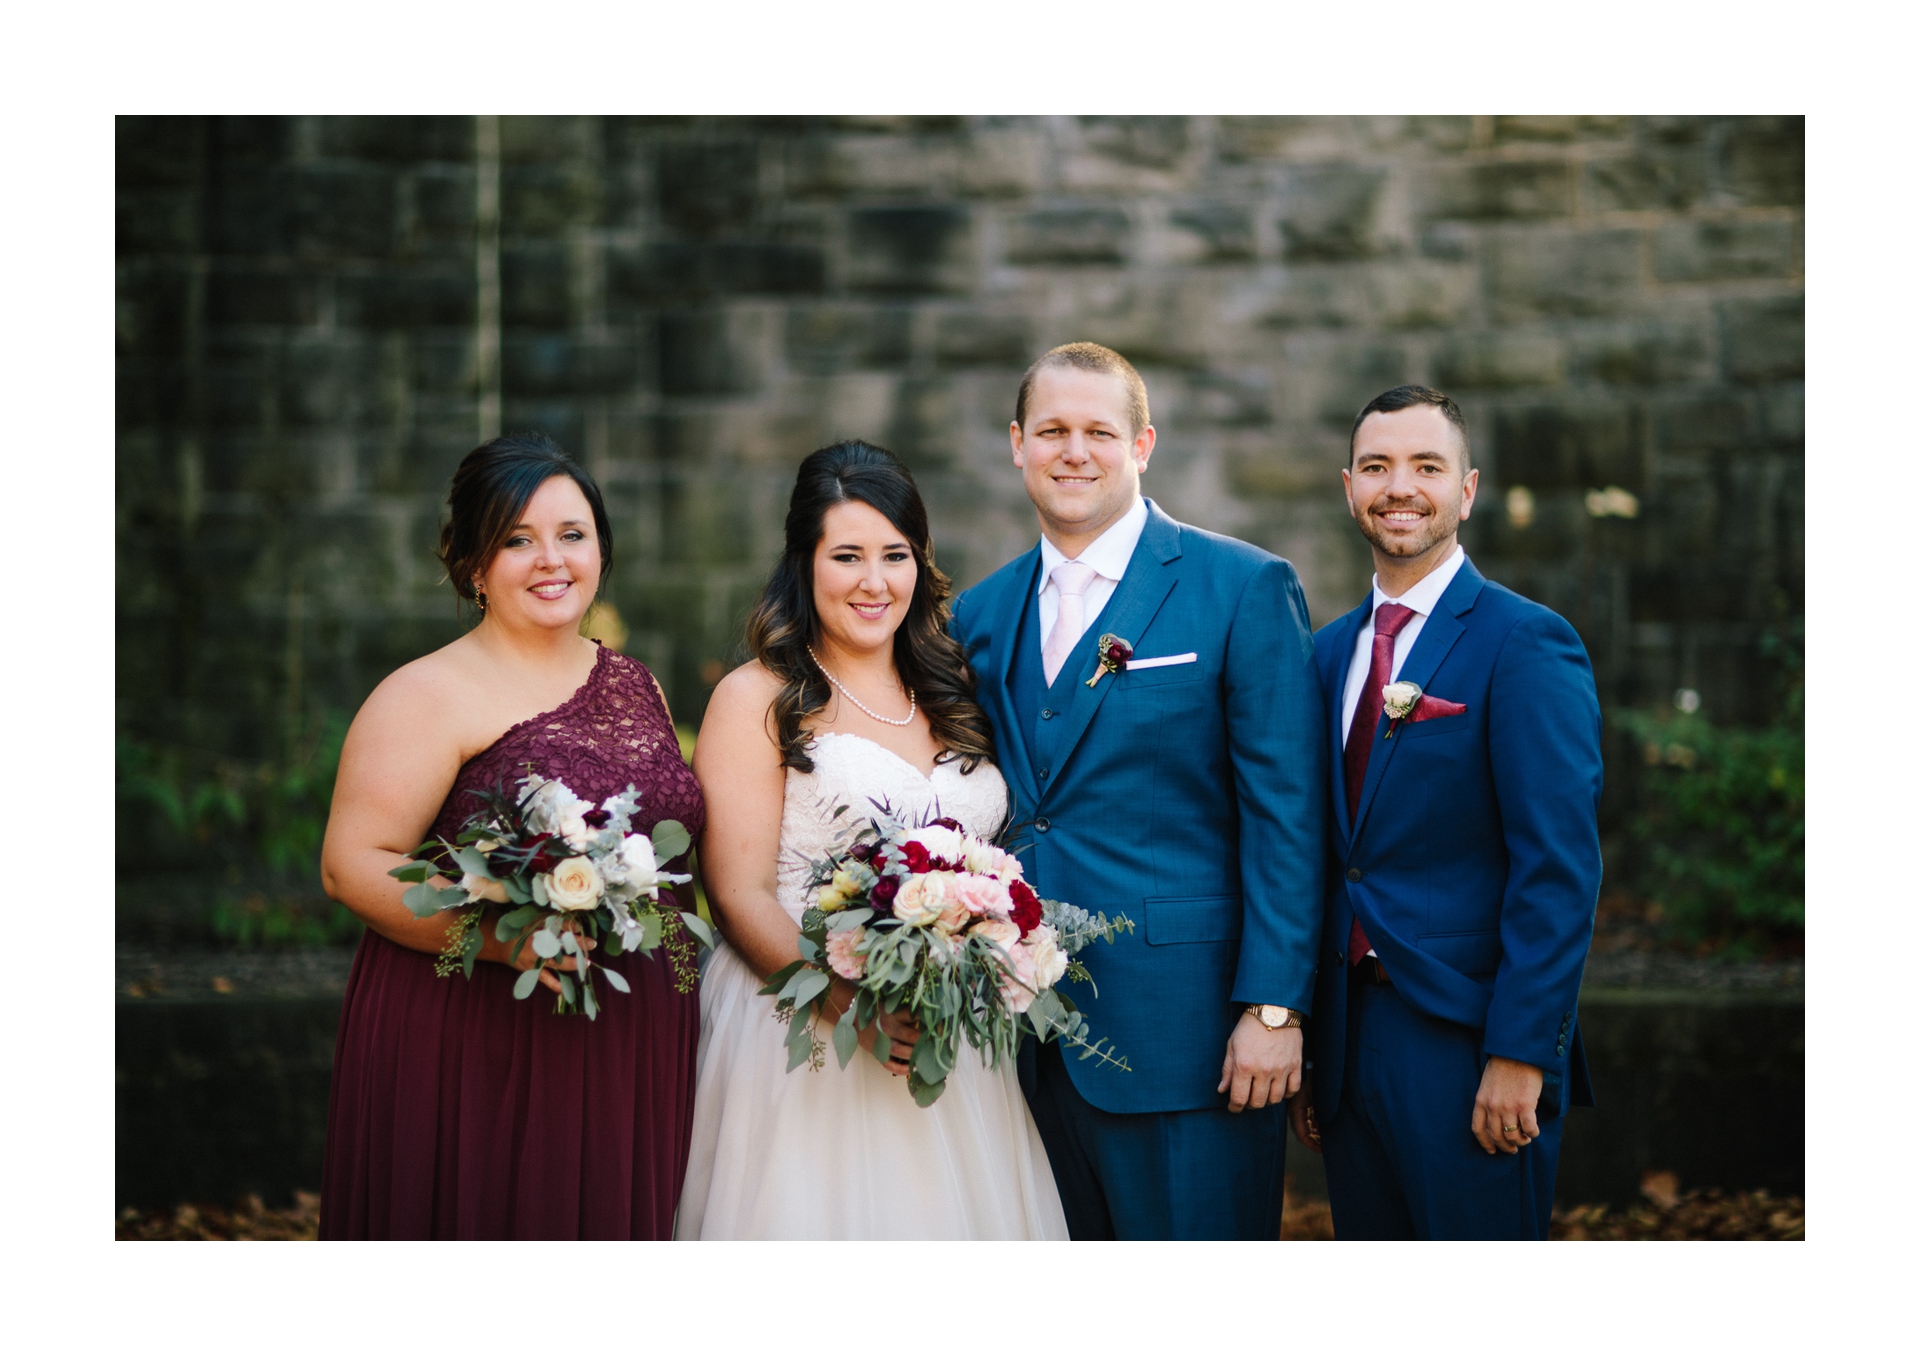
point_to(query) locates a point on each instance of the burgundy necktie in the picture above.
(1388, 621)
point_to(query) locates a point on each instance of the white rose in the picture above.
(482, 887)
(636, 855)
(574, 884)
(1049, 961)
(1399, 699)
(940, 842)
(923, 898)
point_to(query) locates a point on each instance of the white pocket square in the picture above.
(1162, 661)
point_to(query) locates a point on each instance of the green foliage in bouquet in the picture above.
(511, 853)
(956, 984)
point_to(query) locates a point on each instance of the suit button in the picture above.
(1560, 1049)
(1042, 824)
(1046, 713)
(1340, 957)
(1043, 773)
(1354, 873)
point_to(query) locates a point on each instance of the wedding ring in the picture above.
(1509, 1128)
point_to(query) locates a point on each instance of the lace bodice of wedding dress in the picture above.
(854, 772)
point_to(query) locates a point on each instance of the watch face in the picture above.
(1272, 1017)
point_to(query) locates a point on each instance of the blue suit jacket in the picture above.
(1473, 860)
(1191, 798)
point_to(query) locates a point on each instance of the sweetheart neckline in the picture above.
(904, 762)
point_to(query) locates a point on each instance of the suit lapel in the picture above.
(1342, 648)
(1128, 613)
(1016, 760)
(1437, 636)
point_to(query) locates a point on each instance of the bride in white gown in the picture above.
(814, 723)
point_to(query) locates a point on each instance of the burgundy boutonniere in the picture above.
(1405, 701)
(1114, 654)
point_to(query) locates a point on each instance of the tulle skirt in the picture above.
(845, 1153)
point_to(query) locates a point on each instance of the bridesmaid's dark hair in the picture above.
(490, 492)
(784, 623)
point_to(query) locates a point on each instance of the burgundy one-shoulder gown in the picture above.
(460, 1112)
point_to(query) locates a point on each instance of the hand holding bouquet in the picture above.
(941, 924)
(568, 872)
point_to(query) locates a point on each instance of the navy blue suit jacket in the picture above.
(1473, 860)
(1191, 797)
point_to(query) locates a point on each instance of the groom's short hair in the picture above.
(1089, 357)
(1405, 398)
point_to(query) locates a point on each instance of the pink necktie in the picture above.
(1389, 619)
(1072, 579)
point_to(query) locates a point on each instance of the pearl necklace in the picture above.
(913, 703)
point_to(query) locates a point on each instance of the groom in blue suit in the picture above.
(1184, 788)
(1463, 737)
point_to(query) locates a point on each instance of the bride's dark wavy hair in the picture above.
(784, 622)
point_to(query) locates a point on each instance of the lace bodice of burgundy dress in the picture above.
(613, 731)
(459, 1111)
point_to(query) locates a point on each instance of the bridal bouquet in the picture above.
(939, 923)
(569, 871)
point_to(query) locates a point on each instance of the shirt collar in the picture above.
(1110, 551)
(1424, 596)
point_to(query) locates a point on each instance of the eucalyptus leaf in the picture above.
(516, 891)
(615, 943)
(649, 931)
(882, 1047)
(799, 1042)
(422, 900)
(615, 978)
(412, 871)
(812, 984)
(473, 862)
(514, 919)
(567, 994)
(587, 1002)
(926, 1094)
(777, 981)
(545, 944)
(540, 892)
(846, 1037)
(524, 985)
(699, 928)
(670, 839)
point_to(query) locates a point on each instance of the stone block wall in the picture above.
(310, 337)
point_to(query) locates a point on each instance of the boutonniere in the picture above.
(1405, 701)
(1398, 700)
(1114, 654)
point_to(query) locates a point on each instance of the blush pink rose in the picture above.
(1018, 988)
(846, 962)
(983, 895)
(999, 931)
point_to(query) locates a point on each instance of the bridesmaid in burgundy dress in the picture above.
(457, 1111)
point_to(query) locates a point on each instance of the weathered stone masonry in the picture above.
(305, 335)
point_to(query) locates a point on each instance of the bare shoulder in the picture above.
(748, 691)
(737, 715)
(431, 699)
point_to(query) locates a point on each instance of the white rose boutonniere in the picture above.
(1398, 700)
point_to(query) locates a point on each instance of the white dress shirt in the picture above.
(1108, 556)
(1423, 597)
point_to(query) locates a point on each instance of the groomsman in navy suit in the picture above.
(1463, 863)
(1183, 787)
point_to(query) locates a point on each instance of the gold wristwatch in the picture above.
(1273, 1017)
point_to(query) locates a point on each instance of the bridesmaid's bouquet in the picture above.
(568, 871)
(940, 923)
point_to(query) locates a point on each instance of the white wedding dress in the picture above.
(844, 1153)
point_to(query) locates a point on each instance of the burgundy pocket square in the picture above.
(1431, 707)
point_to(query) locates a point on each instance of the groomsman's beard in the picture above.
(1439, 529)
